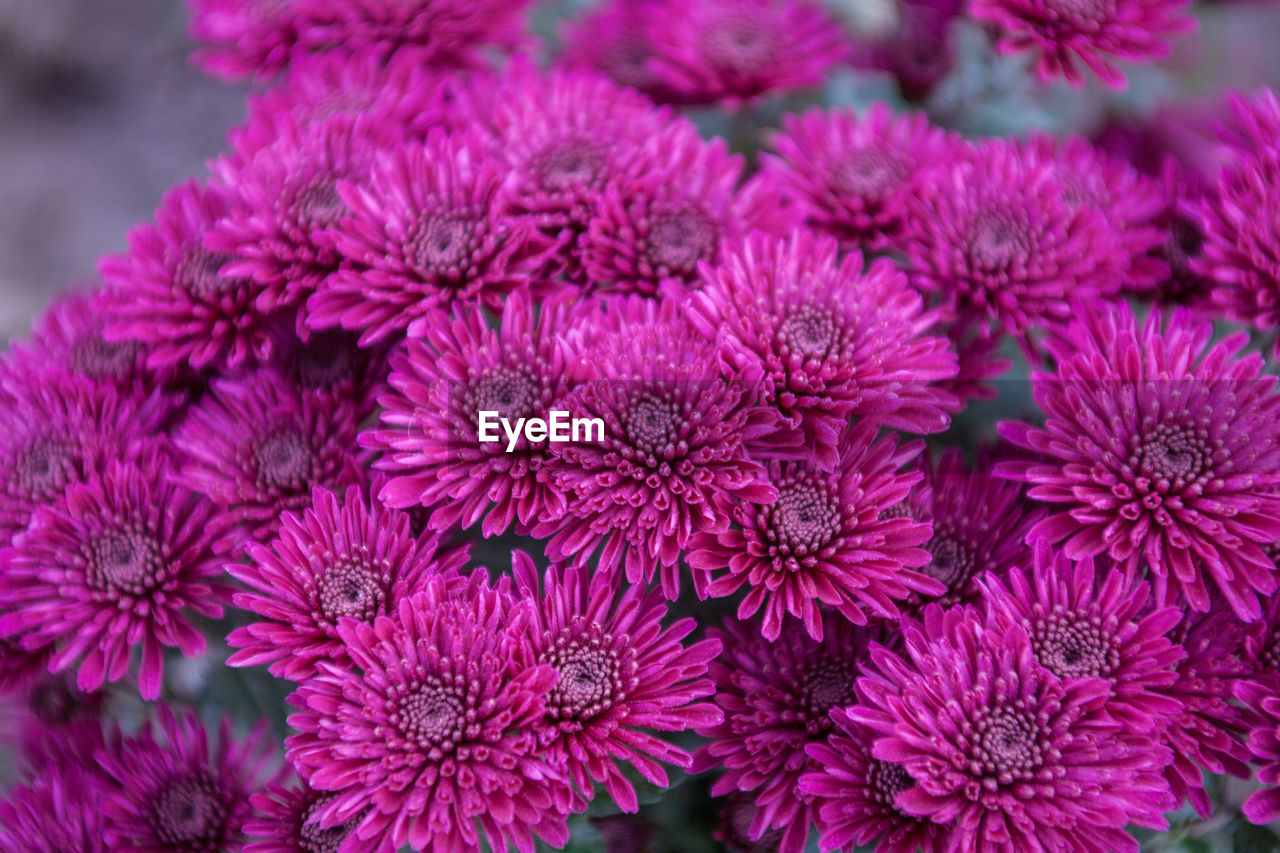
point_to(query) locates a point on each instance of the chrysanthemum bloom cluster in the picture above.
(276, 433)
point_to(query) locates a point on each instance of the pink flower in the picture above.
(831, 339)
(829, 538)
(1003, 752)
(612, 39)
(777, 695)
(910, 39)
(621, 677)
(335, 560)
(735, 50)
(428, 230)
(120, 564)
(168, 291)
(1064, 36)
(433, 737)
(287, 822)
(55, 812)
(1160, 450)
(1263, 707)
(854, 173)
(174, 791)
(429, 436)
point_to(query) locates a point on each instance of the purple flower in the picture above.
(243, 38)
(910, 39)
(611, 38)
(1086, 624)
(120, 564)
(433, 738)
(979, 522)
(175, 791)
(287, 821)
(1161, 450)
(428, 231)
(429, 436)
(993, 234)
(708, 51)
(168, 291)
(56, 812)
(1003, 752)
(335, 560)
(854, 173)
(854, 796)
(1262, 705)
(830, 339)
(776, 695)
(674, 452)
(1064, 37)
(257, 447)
(621, 677)
(830, 538)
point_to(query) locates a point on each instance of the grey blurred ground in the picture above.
(99, 114)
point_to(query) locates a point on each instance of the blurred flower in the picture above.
(58, 811)
(286, 820)
(1262, 705)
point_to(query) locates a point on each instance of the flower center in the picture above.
(52, 701)
(125, 560)
(590, 677)
(432, 716)
(996, 240)
(44, 467)
(677, 241)
(441, 245)
(809, 332)
(352, 588)
(1080, 12)
(952, 562)
(318, 204)
(888, 781)
(805, 517)
(96, 357)
(1172, 456)
(197, 273)
(505, 390)
(868, 172)
(653, 426)
(1007, 745)
(325, 360)
(742, 43)
(284, 461)
(828, 684)
(191, 814)
(1070, 647)
(313, 839)
(568, 163)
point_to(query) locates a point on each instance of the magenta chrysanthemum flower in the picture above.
(829, 538)
(1129, 202)
(854, 173)
(1086, 625)
(655, 231)
(434, 736)
(58, 430)
(567, 137)
(675, 451)
(429, 230)
(334, 560)
(331, 367)
(284, 204)
(174, 791)
(734, 50)
(259, 38)
(855, 796)
(612, 39)
(1160, 450)
(120, 564)
(1262, 704)
(979, 522)
(258, 448)
(1002, 751)
(1241, 250)
(396, 97)
(1183, 246)
(168, 292)
(992, 233)
(620, 677)
(910, 39)
(56, 812)
(1065, 36)
(287, 821)
(831, 339)
(429, 435)
(1207, 733)
(776, 696)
